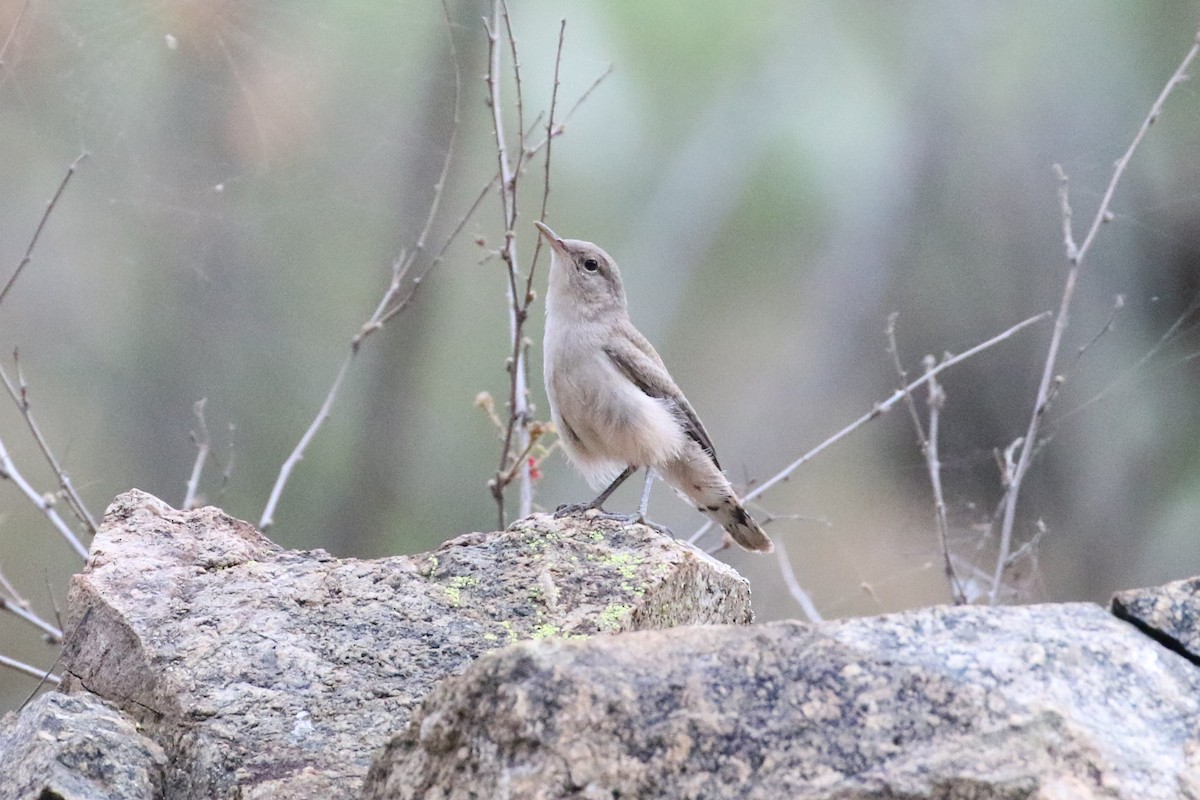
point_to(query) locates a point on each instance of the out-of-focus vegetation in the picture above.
(774, 178)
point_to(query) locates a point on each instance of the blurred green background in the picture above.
(774, 178)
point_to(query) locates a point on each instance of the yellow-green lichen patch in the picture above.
(597, 536)
(543, 631)
(612, 618)
(454, 595)
(625, 563)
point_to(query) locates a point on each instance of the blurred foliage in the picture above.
(775, 178)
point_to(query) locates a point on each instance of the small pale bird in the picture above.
(615, 405)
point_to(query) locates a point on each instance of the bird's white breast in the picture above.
(605, 421)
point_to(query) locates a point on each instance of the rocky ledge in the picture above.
(576, 658)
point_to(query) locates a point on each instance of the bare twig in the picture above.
(44, 503)
(37, 233)
(516, 68)
(929, 450)
(794, 587)
(203, 444)
(21, 611)
(227, 472)
(389, 306)
(1132, 371)
(12, 33)
(537, 242)
(19, 393)
(936, 400)
(1075, 257)
(33, 672)
(517, 439)
(878, 410)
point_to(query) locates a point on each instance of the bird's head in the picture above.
(584, 280)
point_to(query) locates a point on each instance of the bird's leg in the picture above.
(645, 503)
(575, 508)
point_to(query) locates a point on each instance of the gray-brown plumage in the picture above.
(616, 407)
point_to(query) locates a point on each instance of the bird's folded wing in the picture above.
(638, 361)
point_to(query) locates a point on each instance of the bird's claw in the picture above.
(567, 509)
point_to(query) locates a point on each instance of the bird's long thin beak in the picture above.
(550, 236)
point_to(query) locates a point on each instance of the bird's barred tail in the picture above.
(740, 526)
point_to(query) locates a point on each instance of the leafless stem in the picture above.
(516, 67)
(794, 587)
(390, 304)
(12, 33)
(37, 233)
(929, 450)
(44, 504)
(1075, 257)
(517, 440)
(21, 611)
(936, 400)
(878, 410)
(537, 247)
(34, 672)
(203, 444)
(19, 393)
(1136, 368)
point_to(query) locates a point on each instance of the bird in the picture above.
(616, 407)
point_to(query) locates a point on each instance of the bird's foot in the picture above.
(640, 519)
(567, 509)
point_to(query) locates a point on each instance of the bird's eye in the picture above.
(591, 264)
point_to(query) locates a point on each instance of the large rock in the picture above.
(267, 673)
(1170, 614)
(1053, 702)
(76, 747)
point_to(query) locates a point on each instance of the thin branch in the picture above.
(33, 672)
(19, 393)
(1075, 257)
(512, 467)
(936, 401)
(516, 67)
(537, 246)
(579, 102)
(879, 410)
(388, 306)
(203, 444)
(893, 350)
(1132, 371)
(929, 450)
(19, 610)
(9, 471)
(37, 233)
(227, 472)
(516, 433)
(12, 33)
(794, 587)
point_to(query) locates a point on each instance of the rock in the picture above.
(1169, 614)
(267, 673)
(1055, 702)
(76, 747)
